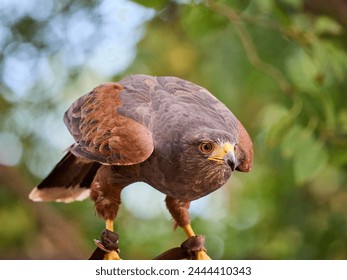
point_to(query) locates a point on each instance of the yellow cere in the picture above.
(220, 152)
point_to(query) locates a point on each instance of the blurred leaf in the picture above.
(332, 61)
(280, 126)
(303, 70)
(156, 4)
(290, 141)
(239, 5)
(309, 155)
(293, 3)
(327, 25)
(199, 21)
(331, 174)
(342, 119)
(339, 157)
(272, 113)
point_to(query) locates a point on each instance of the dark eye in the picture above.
(206, 147)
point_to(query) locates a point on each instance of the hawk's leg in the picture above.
(179, 211)
(113, 255)
(106, 195)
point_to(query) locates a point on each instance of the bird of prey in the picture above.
(164, 131)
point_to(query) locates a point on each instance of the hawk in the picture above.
(167, 132)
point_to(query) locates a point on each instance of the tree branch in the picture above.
(236, 19)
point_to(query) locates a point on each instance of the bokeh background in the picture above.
(279, 65)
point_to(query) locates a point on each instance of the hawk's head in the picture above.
(199, 162)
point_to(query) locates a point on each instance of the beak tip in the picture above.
(232, 164)
(231, 160)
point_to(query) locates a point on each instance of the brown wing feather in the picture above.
(102, 134)
(244, 152)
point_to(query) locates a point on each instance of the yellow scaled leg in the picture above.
(109, 225)
(113, 255)
(200, 255)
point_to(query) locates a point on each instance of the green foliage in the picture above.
(280, 69)
(200, 21)
(157, 4)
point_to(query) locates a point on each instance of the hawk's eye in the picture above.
(206, 147)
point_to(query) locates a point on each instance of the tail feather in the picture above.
(69, 180)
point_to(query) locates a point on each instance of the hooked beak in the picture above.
(225, 154)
